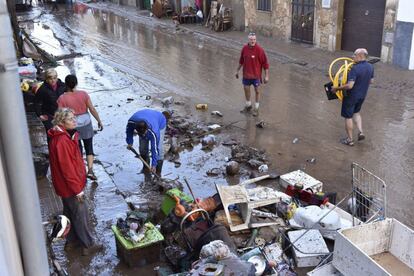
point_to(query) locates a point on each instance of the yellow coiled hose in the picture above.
(341, 76)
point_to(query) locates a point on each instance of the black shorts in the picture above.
(88, 145)
(351, 106)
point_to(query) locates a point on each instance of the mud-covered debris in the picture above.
(167, 101)
(179, 103)
(254, 164)
(260, 124)
(168, 184)
(231, 142)
(217, 113)
(174, 254)
(263, 168)
(208, 142)
(213, 172)
(177, 164)
(242, 154)
(174, 147)
(232, 168)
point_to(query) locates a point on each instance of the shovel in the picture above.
(254, 180)
(137, 155)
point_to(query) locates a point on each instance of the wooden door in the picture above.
(363, 25)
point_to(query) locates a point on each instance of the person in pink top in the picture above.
(81, 104)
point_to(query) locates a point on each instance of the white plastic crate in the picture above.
(310, 249)
(303, 178)
(381, 248)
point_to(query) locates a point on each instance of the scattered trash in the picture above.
(217, 113)
(214, 127)
(208, 141)
(167, 101)
(263, 168)
(325, 220)
(312, 160)
(260, 124)
(214, 172)
(202, 106)
(232, 168)
(147, 97)
(259, 264)
(129, 99)
(255, 164)
(258, 213)
(295, 141)
(174, 254)
(177, 164)
(230, 143)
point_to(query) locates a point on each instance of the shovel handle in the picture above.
(144, 162)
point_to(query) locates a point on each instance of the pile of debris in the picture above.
(249, 229)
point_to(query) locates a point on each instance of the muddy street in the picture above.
(129, 63)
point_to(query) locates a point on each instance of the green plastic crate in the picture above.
(141, 253)
(169, 203)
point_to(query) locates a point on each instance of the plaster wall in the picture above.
(326, 25)
(403, 43)
(237, 7)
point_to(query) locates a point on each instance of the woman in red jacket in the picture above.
(69, 177)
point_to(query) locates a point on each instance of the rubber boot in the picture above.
(158, 169)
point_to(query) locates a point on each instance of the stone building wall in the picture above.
(327, 25)
(276, 23)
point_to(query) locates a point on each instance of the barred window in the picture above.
(264, 5)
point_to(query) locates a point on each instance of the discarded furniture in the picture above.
(379, 248)
(309, 247)
(223, 20)
(300, 177)
(187, 18)
(246, 200)
(141, 253)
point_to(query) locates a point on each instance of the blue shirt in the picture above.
(155, 121)
(361, 73)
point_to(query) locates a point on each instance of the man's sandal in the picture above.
(361, 136)
(347, 141)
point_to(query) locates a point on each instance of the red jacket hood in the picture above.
(59, 130)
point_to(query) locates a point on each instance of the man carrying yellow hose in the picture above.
(359, 79)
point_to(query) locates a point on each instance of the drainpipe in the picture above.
(18, 164)
(10, 261)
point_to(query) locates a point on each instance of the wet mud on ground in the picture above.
(128, 57)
